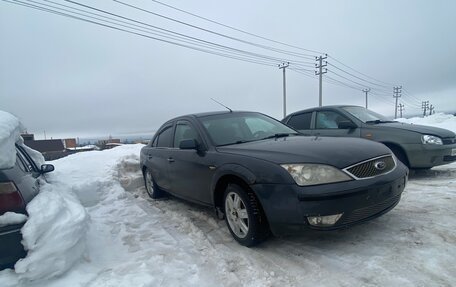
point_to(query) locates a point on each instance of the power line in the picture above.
(359, 78)
(215, 33)
(143, 29)
(16, 2)
(180, 34)
(245, 55)
(346, 66)
(348, 79)
(237, 29)
(274, 41)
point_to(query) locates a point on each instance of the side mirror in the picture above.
(45, 168)
(346, 125)
(188, 144)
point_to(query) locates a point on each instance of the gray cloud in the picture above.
(69, 77)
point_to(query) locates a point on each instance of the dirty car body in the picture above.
(293, 181)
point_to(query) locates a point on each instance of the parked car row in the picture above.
(324, 168)
(264, 177)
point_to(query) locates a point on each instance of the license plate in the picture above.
(453, 152)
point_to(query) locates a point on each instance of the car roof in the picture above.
(321, 108)
(205, 114)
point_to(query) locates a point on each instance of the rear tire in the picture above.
(151, 187)
(244, 216)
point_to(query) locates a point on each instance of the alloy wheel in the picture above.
(236, 214)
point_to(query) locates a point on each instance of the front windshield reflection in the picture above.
(232, 128)
(366, 115)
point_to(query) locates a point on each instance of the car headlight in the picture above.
(428, 139)
(312, 174)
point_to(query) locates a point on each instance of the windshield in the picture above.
(232, 128)
(366, 115)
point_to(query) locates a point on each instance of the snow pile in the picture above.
(9, 218)
(10, 132)
(54, 235)
(439, 120)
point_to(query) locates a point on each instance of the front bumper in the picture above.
(427, 156)
(11, 248)
(287, 206)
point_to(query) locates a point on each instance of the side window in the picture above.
(154, 143)
(164, 138)
(185, 131)
(22, 162)
(301, 121)
(329, 120)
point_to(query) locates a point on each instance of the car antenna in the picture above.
(222, 105)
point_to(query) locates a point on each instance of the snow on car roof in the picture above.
(10, 133)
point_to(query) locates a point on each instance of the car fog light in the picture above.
(327, 220)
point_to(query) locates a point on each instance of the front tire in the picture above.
(244, 216)
(152, 189)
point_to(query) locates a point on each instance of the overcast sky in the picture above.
(75, 79)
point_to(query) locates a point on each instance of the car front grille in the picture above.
(373, 167)
(449, 140)
(366, 212)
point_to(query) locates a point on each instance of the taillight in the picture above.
(10, 198)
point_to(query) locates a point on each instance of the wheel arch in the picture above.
(397, 148)
(230, 173)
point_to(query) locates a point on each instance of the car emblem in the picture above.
(380, 165)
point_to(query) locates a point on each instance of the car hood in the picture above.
(443, 133)
(338, 152)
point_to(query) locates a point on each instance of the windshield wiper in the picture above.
(279, 135)
(379, 122)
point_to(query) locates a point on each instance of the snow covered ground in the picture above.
(99, 228)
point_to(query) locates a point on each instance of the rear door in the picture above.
(326, 123)
(189, 170)
(301, 122)
(158, 157)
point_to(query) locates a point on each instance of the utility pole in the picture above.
(397, 94)
(424, 107)
(431, 110)
(366, 91)
(283, 66)
(401, 108)
(320, 73)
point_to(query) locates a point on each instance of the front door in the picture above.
(327, 124)
(190, 170)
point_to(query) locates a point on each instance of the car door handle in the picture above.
(170, 159)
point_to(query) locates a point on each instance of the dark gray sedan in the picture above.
(416, 146)
(262, 176)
